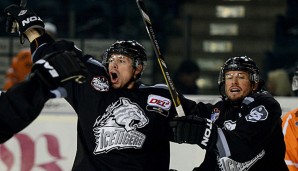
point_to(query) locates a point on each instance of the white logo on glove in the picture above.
(30, 19)
(207, 132)
(22, 12)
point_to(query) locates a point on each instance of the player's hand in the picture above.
(57, 68)
(194, 130)
(20, 19)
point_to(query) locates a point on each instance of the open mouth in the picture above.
(114, 76)
(234, 90)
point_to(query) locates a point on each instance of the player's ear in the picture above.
(139, 69)
(255, 86)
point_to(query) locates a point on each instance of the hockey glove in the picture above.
(20, 19)
(57, 68)
(194, 130)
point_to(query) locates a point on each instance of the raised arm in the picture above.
(55, 65)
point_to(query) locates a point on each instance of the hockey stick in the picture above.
(23, 3)
(160, 58)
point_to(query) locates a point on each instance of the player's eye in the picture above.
(241, 76)
(228, 76)
(111, 60)
(122, 61)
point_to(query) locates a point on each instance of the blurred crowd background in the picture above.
(195, 36)
(101, 18)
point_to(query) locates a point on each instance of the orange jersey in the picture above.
(20, 68)
(290, 131)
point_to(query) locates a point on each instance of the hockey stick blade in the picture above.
(160, 58)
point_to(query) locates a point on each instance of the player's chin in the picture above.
(116, 85)
(235, 96)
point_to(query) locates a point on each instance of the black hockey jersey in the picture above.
(249, 137)
(117, 129)
(120, 129)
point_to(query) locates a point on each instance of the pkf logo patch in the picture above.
(258, 113)
(100, 83)
(159, 104)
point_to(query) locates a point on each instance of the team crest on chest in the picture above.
(229, 125)
(100, 83)
(117, 128)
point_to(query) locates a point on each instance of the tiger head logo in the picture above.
(117, 128)
(123, 113)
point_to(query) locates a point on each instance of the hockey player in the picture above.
(240, 132)
(290, 131)
(122, 124)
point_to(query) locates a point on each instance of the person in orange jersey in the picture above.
(20, 68)
(290, 131)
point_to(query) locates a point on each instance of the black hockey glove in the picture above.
(194, 130)
(20, 19)
(57, 68)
